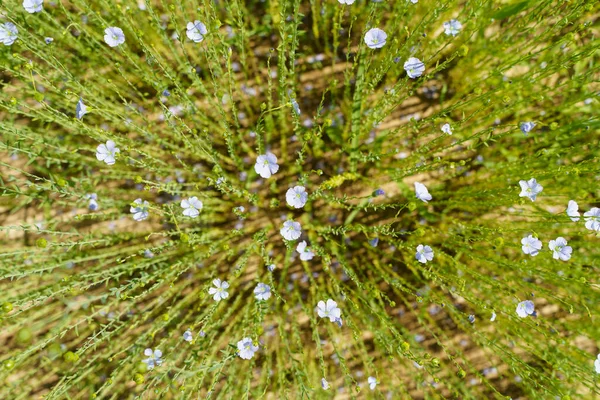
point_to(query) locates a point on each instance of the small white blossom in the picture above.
(375, 38)
(531, 245)
(597, 364)
(106, 152)
(424, 254)
(324, 384)
(526, 127)
(447, 129)
(305, 253)
(33, 6)
(262, 291)
(372, 382)
(8, 33)
(271, 267)
(266, 165)
(291, 230)
(530, 189)
(560, 250)
(573, 210)
(114, 36)
(187, 336)
(296, 197)
(421, 192)
(525, 308)
(246, 348)
(414, 67)
(493, 318)
(80, 109)
(348, 2)
(191, 206)
(196, 31)
(140, 210)
(592, 219)
(452, 27)
(219, 292)
(329, 310)
(154, 358)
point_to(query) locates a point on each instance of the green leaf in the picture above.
(510, 10)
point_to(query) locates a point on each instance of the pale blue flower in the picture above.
(530, 189)
(424, 254)
(560, 250)
(375, 38)
(219, 292)
(414, 67)
(33, 6)
(114, 36)
(140, 209)
(154, 358)
(526, 127)
(452, 27)
(196, 31)
(8, 33)
(525, 308)
(80, 109)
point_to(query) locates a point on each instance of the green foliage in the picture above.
(86, 290)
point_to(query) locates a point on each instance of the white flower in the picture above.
(329, 310)
(560, 249)
(452, 27)
(573, 210)
(8, 33)
(196, 31)
(531, 245)
(262, 291)
(114, 36)
(447, 129)
(291, 230)
(526, 127)
(525, 308)
(324, 384)
(597, 364)
(246, 348)
(140, 211)
(305, 253)
(154, 358)
(271, 267)
(422, 192)
(530, 189)
(296, 197)
(372, 382)
(187, 336)
(219, 292)
(348, 2)
(413, 1)
(80, 109)
(191, 206)
(414, 67)
(493, 318)
(266, 165)
(592, 219)
(106, 152)
(424, 254)
(375, 38)
(33, 6)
